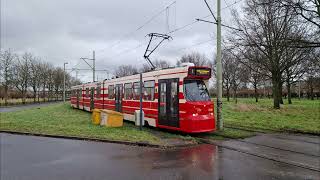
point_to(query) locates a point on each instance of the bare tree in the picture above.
(313, 74)
(196, 58)
(238, 76)
(234, 72)
(307, 9)
(72, 81)
(50, 81)
(22, 74)
(256, 74)
(58, 75)
(309, 13)
(125, 70)
(267, 26)
(297, 60)
(145, 68)
(227, 70)
(255, 79)
(28, 73)
(44, 68)
(161, 64)
(7, 59)
(35, 77)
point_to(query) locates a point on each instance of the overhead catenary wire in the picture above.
(210, 10)
(172, 31)
(221, 24)
(216, 22)
(153, 17)
(196, 44)
(139, 27)
(196, 21)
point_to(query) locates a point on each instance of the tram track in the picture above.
(299, 140)
(313, 165)
(265, 130)
(300, 165)
(268, 146)
(276, 148)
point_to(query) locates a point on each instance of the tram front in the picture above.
(198, 106)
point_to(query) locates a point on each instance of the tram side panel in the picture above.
(192, 116)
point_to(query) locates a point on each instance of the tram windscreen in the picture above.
(196, 90)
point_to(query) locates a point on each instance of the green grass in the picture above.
(61, 119)
(303, 116)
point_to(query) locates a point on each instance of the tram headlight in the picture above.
(196, 114)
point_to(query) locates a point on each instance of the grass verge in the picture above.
(61, 119)
(303, 116)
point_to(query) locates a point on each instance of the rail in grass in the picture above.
(173, 98)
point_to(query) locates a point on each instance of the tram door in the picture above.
(81, 98)
(78, 97)
(92, 98)
(118, 97)
(169, 102)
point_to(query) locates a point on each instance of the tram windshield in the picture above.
(196, 90)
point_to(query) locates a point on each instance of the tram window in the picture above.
(136, 90)
(148, 90)
(128, 91)
(196, 90)
(174, 98)
(163, 99)
(98, 92)
(111, 91)
(87, 92)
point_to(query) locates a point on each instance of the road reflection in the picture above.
(190, 161)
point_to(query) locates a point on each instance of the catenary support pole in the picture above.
(219, 69)
(94, 65)
(77, 71)
(141, 84)
(64, 81)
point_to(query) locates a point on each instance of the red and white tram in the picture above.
(173, 98)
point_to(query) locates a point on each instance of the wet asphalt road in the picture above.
(26, 106)
(30, 157)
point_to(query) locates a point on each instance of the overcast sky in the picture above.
(61, 31)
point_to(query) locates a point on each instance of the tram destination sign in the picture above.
(199, 72)
(203, 72)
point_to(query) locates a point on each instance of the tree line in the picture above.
(279, 42)
(27, 75)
